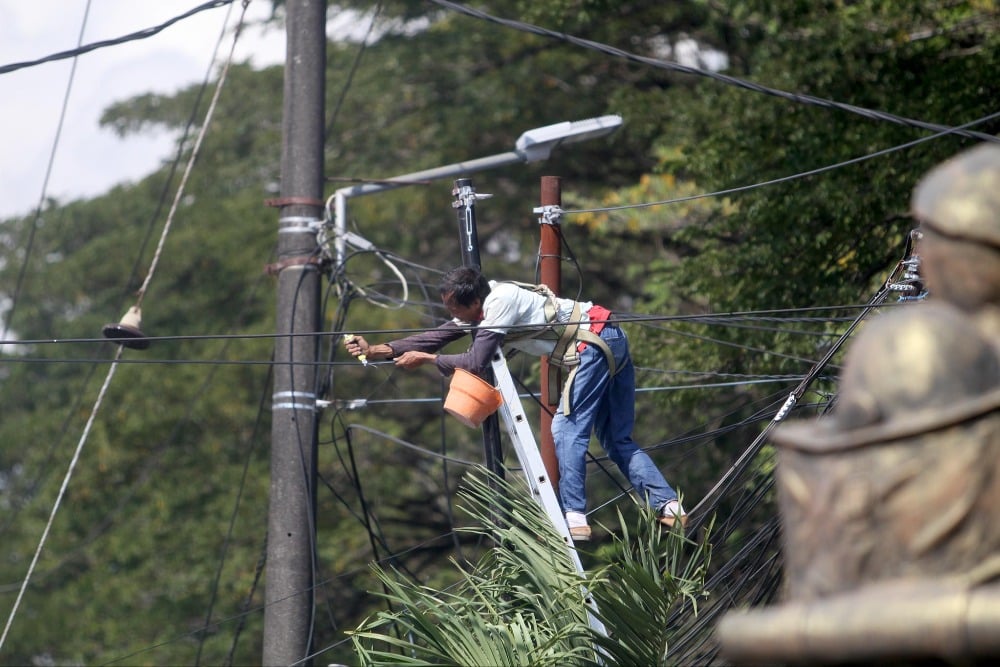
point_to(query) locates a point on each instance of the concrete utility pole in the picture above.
(291, 529)
(550, 273)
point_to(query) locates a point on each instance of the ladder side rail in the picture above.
(523, 439)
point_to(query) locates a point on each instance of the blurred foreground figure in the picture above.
(891, 505)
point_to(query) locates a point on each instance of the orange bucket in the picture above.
(471, 399)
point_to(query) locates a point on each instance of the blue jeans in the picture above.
(604, 405)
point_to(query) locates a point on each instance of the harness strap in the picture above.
(566, 353)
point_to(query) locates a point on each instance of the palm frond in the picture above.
(525, 603)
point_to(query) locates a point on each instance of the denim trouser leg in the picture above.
(605, 405)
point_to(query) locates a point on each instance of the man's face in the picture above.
(471, 314)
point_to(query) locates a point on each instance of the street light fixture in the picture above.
(532, 146)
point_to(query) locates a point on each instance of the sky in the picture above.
(87, 160)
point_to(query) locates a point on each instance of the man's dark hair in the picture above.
(465, 284)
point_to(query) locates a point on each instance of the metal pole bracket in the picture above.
(550, 215)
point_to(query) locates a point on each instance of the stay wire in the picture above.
(59, 497)
(194, 154)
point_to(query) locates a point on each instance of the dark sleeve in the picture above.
(485, 344)
(431, 340)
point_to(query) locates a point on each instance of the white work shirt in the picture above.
(508, 305)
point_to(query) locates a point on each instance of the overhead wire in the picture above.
(79, 394)
(141, 34)
(147, 280)
(633, 318)
(36, 218)
(709, 500)
(10, 316)
(793, 177)
(111, 371)
(723, 78)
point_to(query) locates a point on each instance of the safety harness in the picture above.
(569, 337)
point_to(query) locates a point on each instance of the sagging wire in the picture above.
(723, 78)
(111, 371)
(141, 34)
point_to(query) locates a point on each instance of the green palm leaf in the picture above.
(525, 603)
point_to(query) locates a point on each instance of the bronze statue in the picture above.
(891, 504)
(958, 206)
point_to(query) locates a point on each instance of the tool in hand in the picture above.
(361, 357)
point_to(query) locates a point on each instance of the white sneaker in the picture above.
(671, 512)
(579, 531)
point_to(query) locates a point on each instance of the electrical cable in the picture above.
(231, 527)
(723, 78)
(22, 272)
(141, 34)
(104, 388)
(728, 478)
(9, 315)
(630, 318)
(792, 177)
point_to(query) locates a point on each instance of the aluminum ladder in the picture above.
(538, 480)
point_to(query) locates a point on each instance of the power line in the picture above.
(141, 34)
(45, 186)
(793, 177)
(762, 315)
(723, 78)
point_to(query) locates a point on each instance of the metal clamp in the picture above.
(551, 215)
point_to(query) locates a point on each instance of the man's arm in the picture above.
(477, 359)
(425, 341)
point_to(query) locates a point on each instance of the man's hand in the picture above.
(413, 359)
(357, 347)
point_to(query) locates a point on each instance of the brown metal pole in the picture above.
(550, 270)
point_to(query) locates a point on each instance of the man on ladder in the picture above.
(580, 337)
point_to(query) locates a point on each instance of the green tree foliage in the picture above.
(154, 556)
